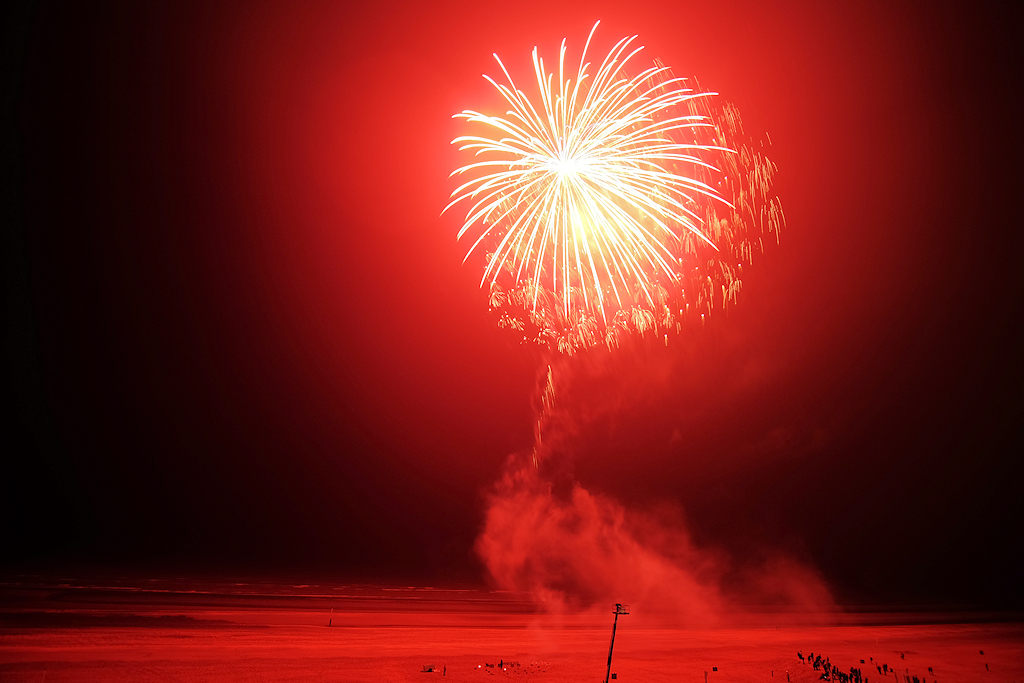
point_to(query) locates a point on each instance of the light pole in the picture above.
(619, 609)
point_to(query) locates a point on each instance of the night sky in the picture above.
(239, 335)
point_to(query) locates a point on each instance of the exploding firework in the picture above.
(620, 204)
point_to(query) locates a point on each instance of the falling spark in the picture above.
(614, 203)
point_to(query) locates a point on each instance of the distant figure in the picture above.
(986, 666)
(444, 670)
(800, 655)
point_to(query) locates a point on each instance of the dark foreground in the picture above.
(187, 630)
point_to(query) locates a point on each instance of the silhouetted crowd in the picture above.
(831, 673)
(855, 675)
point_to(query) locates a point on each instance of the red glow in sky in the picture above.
(242, 333)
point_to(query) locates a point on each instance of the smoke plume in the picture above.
(573, 549)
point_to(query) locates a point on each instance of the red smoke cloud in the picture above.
(586, 549)
(573, 549)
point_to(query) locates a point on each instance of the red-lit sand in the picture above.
(160, 631)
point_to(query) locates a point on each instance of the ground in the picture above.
(189, 630)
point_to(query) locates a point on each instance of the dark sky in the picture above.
(238, 334)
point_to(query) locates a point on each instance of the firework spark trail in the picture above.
(613, 207)
(611, 204)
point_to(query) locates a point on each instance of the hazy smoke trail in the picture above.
(573, 549)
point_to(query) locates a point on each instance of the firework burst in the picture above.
(620, 203)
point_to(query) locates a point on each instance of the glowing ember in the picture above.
(620, 204)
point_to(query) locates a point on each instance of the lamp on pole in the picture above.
(619, 609)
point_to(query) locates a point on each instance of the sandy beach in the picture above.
(180, 630)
